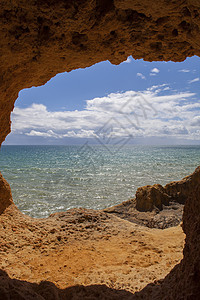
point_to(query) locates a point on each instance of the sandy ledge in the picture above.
(133, 250)
(80, 248)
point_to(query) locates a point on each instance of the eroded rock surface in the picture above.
(183, 282)
(169, 216)
(97, 248)
(150, 197)
(82, 254)
(157, 206)
(39, 39)
(5, 194)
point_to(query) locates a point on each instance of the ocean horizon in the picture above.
(50, 178)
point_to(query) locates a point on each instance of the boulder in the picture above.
(150, 197)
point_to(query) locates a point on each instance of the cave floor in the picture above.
(87, 247)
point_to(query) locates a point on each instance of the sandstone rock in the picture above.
(181, 190)
(99, 256)
(169, 216)
(39, 39)
(183, 282)
(188, 272)
(5, 194)
(155, 196)
(150, 197)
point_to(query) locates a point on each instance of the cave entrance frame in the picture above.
(44, 38)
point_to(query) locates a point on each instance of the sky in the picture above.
(135, 102)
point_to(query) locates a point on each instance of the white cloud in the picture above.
(184, 71)
(141, 76)
(49, 133)
(166, 88)
(153, 112)
(155, 70)
(128, 61)
(194, 80)
(195, 121)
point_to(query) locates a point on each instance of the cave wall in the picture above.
(40, 38)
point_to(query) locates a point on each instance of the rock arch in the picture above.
(41, 38)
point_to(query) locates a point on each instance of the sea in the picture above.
(48, 179)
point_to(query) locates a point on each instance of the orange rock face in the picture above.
(82, 254)
(5, 194)
(185, 278)
(39, 39)
(148, 197)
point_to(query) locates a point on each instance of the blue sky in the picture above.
(151, 102)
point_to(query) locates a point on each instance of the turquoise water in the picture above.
(46, 179)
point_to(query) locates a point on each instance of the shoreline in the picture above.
(40, 187)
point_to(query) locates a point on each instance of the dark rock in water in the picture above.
(157, 206)
(170, 215)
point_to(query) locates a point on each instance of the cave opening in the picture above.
(91, 137)
(39, 40)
